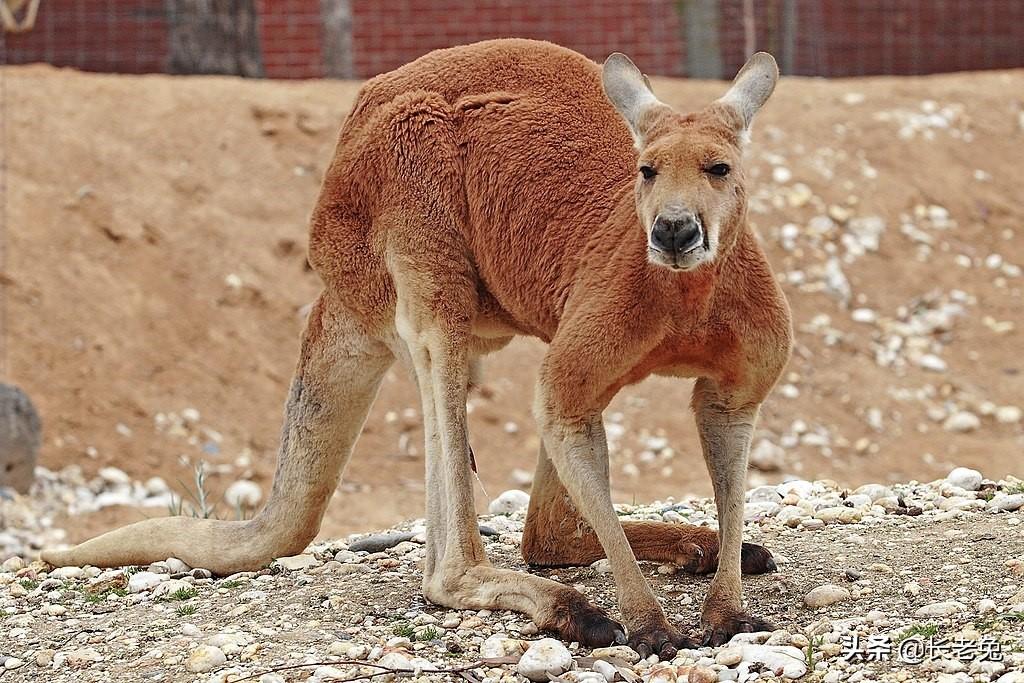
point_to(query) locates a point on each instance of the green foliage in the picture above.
(186, 610)
(920, 630)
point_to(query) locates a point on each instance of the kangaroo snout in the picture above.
(677, 235)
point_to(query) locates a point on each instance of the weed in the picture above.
(920, 630)
(200, 505)
(230, 583)
(428, 634)
(186, 610)
(29, 584)
(813, 643)
(405, 630)
(183, 594)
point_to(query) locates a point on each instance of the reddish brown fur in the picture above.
(491, 190)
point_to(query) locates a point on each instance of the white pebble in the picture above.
(205, 658)
(967, 479)
(543, 657)
(508, 502)
(827, 594)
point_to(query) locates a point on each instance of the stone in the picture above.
(874, 491)
(297, 563)
(1007, 503)
(967, 479)
(962, 421)
(67, 573)
(500, 645)
(20, 438)
(730, 656)
(83, 657)
(784, 660)
(205, 658)
(764, 494)
(243, 494)
(509, 502)
(377, 543)
(144, 581)
(827, 594)
(170, 587)
(13, 564)
(606, 669)
(985, 605)
(543, 657)
(702, 674)
(767, 457)
(626, 654)
(940, 609)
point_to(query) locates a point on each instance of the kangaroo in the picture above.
(516, 187)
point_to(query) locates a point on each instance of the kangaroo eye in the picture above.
(647, 172)
(720, 170)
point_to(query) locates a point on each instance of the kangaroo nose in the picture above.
(678, 235)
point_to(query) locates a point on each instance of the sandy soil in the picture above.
(156, 240)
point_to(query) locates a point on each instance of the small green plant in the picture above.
(29, 584)
(183, 594)
(405, 630)
(201, 503)
(813, 644)
(920, 630)
(186, 610)
(428, 634)
(230, 583)
(130, 571)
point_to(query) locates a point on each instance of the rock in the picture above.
(205, 658)
(764, 494)
(730, 656)
(702, 674)
(13, 564)
(1007, 503)
(508, 502)
(827, 594)
(380, 542)
(13, 663)
(144, 581)
(840, 514)
(68, 573)
(940, 609)
(626, 654)
(297, 563)
(177, 566)
(170, 587)
(243, 494)
(543, 657)
(20, 438)
(967, 479)
(985, 605)
(874, 491)
(759, 510)
(767, 457)
(606, 669)
(784, 660)
(962, 421)
(82, 657)
(500, 645)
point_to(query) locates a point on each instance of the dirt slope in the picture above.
(156, 239)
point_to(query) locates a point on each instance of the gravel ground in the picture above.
(925, 578)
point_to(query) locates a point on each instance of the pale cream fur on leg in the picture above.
(339, 372)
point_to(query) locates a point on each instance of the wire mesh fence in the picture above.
(359, 38)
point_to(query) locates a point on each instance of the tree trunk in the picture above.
(215, 37)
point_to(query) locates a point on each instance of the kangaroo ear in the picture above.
(752, 86)
(629, 91)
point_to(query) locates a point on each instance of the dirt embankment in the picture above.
(156, 269)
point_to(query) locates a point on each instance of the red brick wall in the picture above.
(290, 34)
(833, 37)
(388, 34)
(98, 35)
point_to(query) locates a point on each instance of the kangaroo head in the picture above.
(690, 194)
